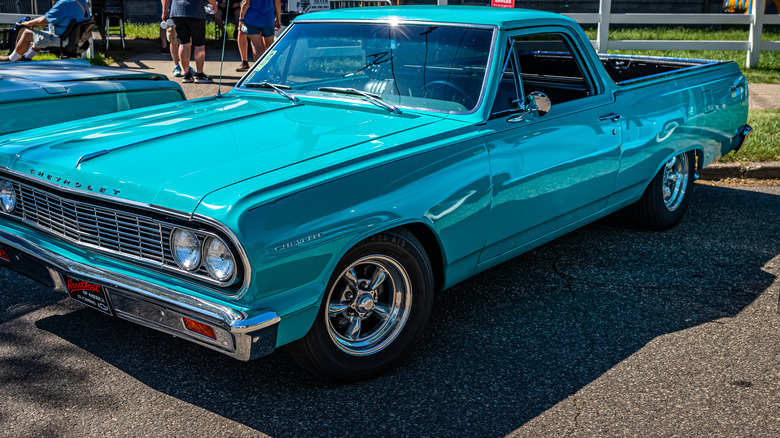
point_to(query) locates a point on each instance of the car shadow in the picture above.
(500, 348)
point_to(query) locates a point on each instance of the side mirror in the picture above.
(536, 103)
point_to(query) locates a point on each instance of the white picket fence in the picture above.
(754, 45)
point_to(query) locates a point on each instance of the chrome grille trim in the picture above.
(140, 238)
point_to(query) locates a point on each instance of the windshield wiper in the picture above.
(376, 99)
(279, 88)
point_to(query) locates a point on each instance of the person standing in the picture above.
(168, 32)
(59, 16)
(189, 17)
(257, 18)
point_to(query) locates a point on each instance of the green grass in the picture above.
(151, 31)
(768, 70)
(763, 144)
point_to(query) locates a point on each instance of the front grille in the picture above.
(114, 231)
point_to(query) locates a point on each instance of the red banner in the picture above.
(502, 3)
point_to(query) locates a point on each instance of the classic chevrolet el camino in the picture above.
(369, 159)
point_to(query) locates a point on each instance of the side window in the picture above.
(547, 64)
(542, 62)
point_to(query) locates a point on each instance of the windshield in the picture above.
(439, 68)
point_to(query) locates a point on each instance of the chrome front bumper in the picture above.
(239, 334)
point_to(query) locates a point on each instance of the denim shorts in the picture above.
(252, 30)
(43, 39)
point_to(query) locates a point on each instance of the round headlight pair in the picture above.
(213, 253)
(7, 196)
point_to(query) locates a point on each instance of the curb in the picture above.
(757, 170)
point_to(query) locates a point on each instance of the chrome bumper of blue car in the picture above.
(242, 335)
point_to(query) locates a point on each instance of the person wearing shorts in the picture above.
(32, 41)
(258, 19)
(189, 17)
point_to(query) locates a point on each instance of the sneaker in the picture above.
(177, 72)
(203, 79)
(187, 78)
(192, 71)
(243, 67)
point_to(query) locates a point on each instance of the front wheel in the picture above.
(666, 199)
(374, 309)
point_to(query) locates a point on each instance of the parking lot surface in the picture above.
(608, 331)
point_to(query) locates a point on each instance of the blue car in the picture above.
(43, 93)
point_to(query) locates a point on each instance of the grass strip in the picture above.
(763, 144)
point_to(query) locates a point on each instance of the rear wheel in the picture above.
(374, 310)
(667, 197)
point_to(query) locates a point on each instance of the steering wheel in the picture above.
(449, 92)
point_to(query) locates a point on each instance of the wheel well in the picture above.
(431, 246)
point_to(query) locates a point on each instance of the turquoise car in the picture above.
(43, 93)
(371, 158)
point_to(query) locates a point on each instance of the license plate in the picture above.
(93, 295)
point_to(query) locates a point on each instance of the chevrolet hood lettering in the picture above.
(69, 183)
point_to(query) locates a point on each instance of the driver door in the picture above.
(551, 170)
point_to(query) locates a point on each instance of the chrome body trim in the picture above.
(488, 66)
(219, 227)
(161, 308)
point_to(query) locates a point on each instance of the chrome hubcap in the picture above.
(368, 305)
(675, 181)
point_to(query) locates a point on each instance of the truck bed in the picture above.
(627, 69)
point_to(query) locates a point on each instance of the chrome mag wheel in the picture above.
(368, 305)
(675, 181)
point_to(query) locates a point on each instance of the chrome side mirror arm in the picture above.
(536, 103)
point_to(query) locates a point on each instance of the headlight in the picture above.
(7, 196)
(219, 260)
(186, 249)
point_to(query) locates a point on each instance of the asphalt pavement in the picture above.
(608, 331)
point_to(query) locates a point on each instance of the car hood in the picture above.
(173, 155)
(25, 81)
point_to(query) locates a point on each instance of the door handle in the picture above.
(614, 117)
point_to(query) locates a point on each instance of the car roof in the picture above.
(478, 15)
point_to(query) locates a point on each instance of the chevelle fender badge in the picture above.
(70, 183)
(297, 242)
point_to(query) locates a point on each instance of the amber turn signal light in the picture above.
(199, 328)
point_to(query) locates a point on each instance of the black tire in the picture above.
(660, 210)
(391, 316)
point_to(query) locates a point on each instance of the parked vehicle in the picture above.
(370, 158)
(43, 93)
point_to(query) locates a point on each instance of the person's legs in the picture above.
(22, 45)
(186, 38)
(242, 46)
(242, 50)
(265, 38)
(200, 57)
(26, 47)
(218, 21)
(184, 57)
(173, 44)
(257, 45)
(199, 49)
